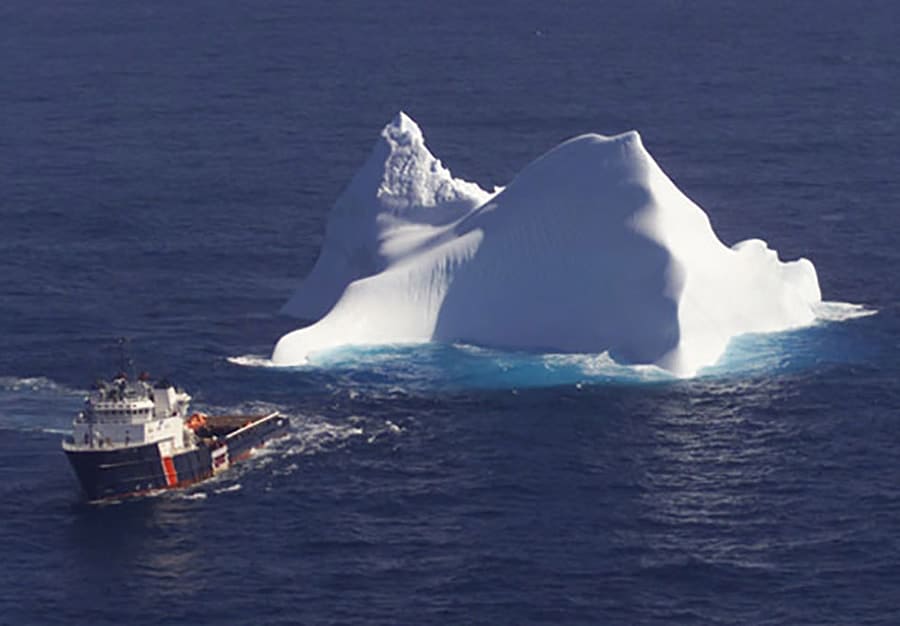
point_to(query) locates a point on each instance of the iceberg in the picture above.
(590, 249)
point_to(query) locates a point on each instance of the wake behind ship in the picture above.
(134, 437)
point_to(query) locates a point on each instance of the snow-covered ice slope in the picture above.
(590, 249)
(400, 197)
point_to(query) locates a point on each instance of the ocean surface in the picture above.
(166, 170)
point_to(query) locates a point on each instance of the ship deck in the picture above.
(223, 425)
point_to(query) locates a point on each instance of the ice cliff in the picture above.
(590, 249)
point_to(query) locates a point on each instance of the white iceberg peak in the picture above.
(401, 185)
(412, 179)
(402, 130)
(591, 248)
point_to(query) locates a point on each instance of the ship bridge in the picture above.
(130, 413)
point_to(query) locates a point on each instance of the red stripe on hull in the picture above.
(169, 469)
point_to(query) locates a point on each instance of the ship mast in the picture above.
(126, 363)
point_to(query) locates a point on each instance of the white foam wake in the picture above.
(251, 360)
(37, 384)
(841, 311)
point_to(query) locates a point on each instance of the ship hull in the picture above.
(118, 472)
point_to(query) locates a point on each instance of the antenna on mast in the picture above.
(126, 363)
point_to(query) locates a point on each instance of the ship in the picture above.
(137, 436)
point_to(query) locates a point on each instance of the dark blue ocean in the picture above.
(166, 171)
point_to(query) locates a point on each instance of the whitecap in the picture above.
(841, 311)
(251, 360)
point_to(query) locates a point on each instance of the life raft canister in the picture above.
(195, 421)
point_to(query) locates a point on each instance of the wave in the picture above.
(248, 407)
(200, 495)
(36, 383)
(251, 360)
(841, 311)
(55, 431)
(37, 404)
(228, 489)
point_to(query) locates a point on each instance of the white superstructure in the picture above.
(131, 413)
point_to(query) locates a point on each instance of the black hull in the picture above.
(127, 471)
